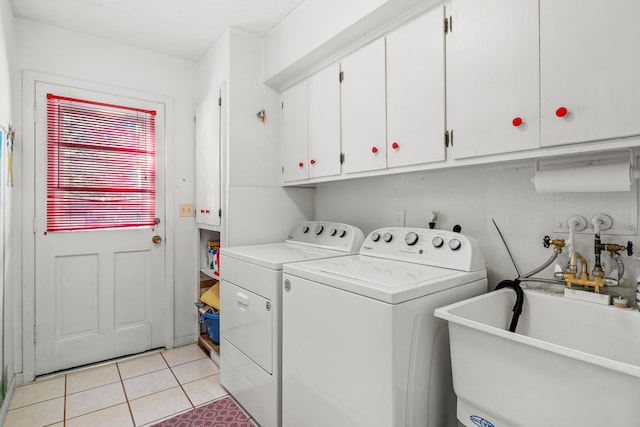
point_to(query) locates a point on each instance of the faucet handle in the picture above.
(558, 243)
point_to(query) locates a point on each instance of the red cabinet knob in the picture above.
(517, 121)
(395, 146)
(207, 211)
(313, 162)
(562, 111)
(374, 150)
(301, 164)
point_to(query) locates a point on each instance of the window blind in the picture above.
(100, 165)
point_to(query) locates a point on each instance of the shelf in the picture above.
(207, 281)
(210, 272)
(213, 350)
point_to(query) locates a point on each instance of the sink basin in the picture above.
(570, 363)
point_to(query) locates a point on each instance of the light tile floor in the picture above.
(136, 392)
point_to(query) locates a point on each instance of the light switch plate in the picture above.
(186, 209)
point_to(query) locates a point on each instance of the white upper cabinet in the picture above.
(208, 121)
(295, 150)
(364, 109)
(493, 77)
(589, 70)
(324, 122)
(415, 92)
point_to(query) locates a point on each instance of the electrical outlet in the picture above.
(186, 209)
(398, 217)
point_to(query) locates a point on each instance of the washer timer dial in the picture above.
(411, 238)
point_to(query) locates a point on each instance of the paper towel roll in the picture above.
(599, 178)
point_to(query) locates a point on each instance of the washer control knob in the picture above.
(333, 231)
(305, 229)
(387, 237)
(375, 236)
(411, 238)
(342, 233)
(319, 229)
(454, 244)
(437, 242)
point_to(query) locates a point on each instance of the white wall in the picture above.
(471, 197)
(8, 280)
(52, 50)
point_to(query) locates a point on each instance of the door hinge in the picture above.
(282, 169)
(220, 101)
(282, 106)
(341, 76)
(448, 138)
(342, 158)
(34, 225)
(448, 24)
(35, 114)
(35, 333)
(219, 213)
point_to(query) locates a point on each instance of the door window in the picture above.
(100, 165)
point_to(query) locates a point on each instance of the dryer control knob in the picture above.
(305, 229)
(375, 236)
(387, 237)
(411, 238)
(333, 231)
(454, 244)
(437, 242)
(319, 230)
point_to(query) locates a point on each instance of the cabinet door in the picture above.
(295, 149)
(492, 77)
(324, 122)
(207, 151)
(589, 64)
(364, 109)
(415, 92)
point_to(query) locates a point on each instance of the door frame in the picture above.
(25, 217)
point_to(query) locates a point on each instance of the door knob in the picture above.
(156, 239)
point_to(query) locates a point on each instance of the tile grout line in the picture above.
(178, 381)
(64, 403)
(133, 420)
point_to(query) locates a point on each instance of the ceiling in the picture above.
(182, 28)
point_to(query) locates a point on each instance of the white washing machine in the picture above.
(361, 346)
(251, 315)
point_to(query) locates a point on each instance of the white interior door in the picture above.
(100, 293)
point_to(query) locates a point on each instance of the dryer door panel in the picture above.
(247, 323)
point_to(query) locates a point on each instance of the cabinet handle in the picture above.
(313, 162)
(562, 111)
(374, 150)
(300, 165)
(517, 121)
(395, 146)
(201, 211)
(207, 211)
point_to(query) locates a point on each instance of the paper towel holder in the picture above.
(608, 177)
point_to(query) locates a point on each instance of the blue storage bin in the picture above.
(212, 322)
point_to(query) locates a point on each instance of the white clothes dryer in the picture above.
(361, 346)
(250, 307)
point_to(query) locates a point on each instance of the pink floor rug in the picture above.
(221, 413)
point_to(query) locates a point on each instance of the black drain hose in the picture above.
(517, 308)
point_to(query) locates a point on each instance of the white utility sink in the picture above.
(570, 363)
